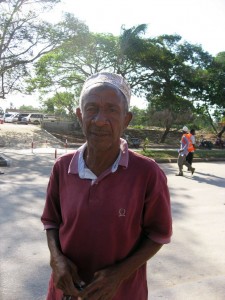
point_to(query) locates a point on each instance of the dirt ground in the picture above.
(22, 136)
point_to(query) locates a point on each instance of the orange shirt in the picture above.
(190, 145)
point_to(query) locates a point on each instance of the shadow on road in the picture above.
(24, 256)
(209, 179)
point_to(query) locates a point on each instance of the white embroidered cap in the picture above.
(185, 129)
(105, 77)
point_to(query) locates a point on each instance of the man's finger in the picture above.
(69, 288)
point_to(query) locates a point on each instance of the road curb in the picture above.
(174, 160)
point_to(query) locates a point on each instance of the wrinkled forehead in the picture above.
(95, 91)
(98, 87)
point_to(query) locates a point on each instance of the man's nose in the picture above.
(100, 118)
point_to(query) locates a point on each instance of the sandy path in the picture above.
(21, 136)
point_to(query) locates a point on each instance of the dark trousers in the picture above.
(189, 157)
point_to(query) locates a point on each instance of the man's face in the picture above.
(103, 116)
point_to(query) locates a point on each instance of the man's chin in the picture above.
(102, 144)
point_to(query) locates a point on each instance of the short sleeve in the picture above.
(51, 217)
(157, 219)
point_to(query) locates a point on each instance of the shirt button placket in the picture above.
(93, 195)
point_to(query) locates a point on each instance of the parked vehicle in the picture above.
(12, 118)
(50, 118)
(34, 118)
(6, 115)
(21, 116)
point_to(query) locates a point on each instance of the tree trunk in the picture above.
(221, 132)
(163, 138)
(211, 122)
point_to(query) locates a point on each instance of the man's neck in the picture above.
(98, 161)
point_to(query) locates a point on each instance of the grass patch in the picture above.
(168, 154)
(210, 154)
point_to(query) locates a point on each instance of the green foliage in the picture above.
(83, 54)
(177, 76)
(137, 126)
(145, 144)
(140, 117)
(62, 69)
(181, 81)
(67, 67)
(28, 108)
(62, 104)
(24, 38)
(210, 83)
(172, 154)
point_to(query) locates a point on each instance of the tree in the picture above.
(169, 67)
(165, 70)
(132, 49)
(28, 108)
(209, 89)
(55, 71)
(24, 37)
(217, 80)
(61, 104)
(67, 67)
(217, 94)
(86, 53)
(140, 117)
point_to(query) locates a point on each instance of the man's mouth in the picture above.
(99, 133)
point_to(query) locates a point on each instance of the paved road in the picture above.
(191, 267)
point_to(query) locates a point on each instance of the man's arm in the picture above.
(107, 281)
(64, 270)
(184, 144)
(193, 141)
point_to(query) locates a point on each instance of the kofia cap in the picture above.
(185, 129)
(111, 78)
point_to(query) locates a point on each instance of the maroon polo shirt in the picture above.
(100, 223)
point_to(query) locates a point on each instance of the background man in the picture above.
(191, 147)
(107, 209)
(183, 152)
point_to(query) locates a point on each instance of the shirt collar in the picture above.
(77, 162)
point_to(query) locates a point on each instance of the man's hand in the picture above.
(103, 287)
(107, 281)
(65, 275)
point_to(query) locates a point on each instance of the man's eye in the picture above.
(90, 109)
(112, 109)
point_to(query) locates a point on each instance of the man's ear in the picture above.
(128, 118)
(79, 115)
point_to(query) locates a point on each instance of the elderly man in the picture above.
(107, 209)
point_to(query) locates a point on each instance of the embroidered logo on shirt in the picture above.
(122, 212)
